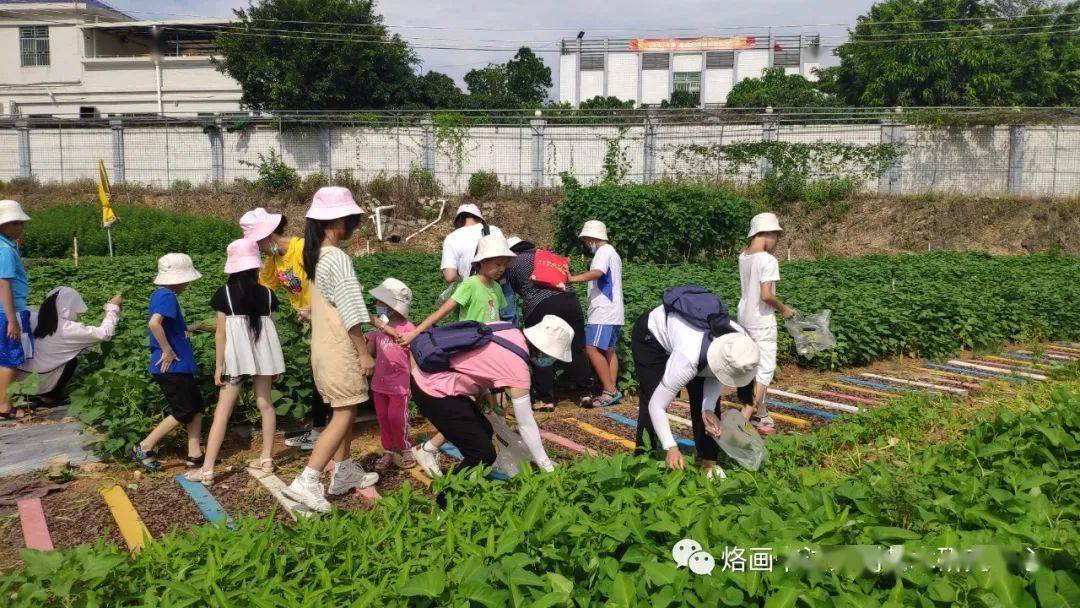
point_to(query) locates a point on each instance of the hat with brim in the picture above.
(331, 203)
(492, 246)
(11, 211)
(594, 229)
(764, 222)
(733, 359)
(510, 242)
(242, 254)
(470, 209)
(258, 223)
(175, 269)
(394, 294)
(552, 336)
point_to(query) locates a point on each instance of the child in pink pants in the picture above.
(390, 383)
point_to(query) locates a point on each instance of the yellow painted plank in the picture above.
(127, 518)
(842, 387)
(788, 419)
(418, 475)
(601, 433)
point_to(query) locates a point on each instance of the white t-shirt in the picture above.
(682, 342)
(605, 293)
(755, 269)
(459, 247)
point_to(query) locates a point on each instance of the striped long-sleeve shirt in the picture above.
(337, 282)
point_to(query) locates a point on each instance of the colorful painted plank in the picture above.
(683, 443)
(852, 398)
(944, 373)
(986, 368)
(369, 495)
(34, 527)
(941, 378)
(1063, 353)
(1028, 363)
(1047, 355)
(127, 518)
(210, 507)
(832, 405)
(679, 420)
(1008, 367)
(592, 430)
(973, 372)
(787, 419)
(275, 486)
(875, 385)
(1069, 345)
(862, 390)
(565, 443)
(775, 403)
(419, 475)
(927, 385)
(451, 450)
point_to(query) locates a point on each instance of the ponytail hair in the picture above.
(314, 233)
(48, 317)
(245, 286)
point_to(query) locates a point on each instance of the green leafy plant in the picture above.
(274, 174)
(483, 184)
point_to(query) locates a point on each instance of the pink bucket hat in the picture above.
(258, 224)
(331, 203)
(243, 254)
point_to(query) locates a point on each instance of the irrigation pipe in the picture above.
(442, 209)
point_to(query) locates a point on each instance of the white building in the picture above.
(647, 70)
(64, 58)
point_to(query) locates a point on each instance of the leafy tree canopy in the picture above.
(521, 82)
(779, 90)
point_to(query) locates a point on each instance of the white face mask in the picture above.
(593, 247)
(383, 312)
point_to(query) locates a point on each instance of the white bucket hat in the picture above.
(175, 269)
(764, 222)
(552, 336)
(492, 246)
(394, 294)
(11, 211)
(594, 229)
(469, 208)
(733, 359)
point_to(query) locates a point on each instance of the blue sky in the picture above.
(549, 21)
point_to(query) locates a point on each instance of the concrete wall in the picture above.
(623, 76)
(970, 160)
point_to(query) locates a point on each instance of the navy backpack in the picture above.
(702, 309)
(433, 348)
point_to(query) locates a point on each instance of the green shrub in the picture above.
(346, 179)
(311, 183)
(657, 223)
(423, 183)
(781, 188)
(141, 230)
(180, 185)
(382, 186)
(274, 174)
(483, 184)
(825, 193)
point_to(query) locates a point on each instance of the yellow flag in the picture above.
(104, 192)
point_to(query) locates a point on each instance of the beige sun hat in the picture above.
(510, 242)
(552, 336)
(11, 211)
(594, 229)
(733, 359)
(394, 294)
(471, 209)
(764, 222)
(492, 246)
(175, 269)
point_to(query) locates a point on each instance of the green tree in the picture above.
(954, 52)
(607, 103)
(682, 99)
(365, 67)
(527, 78)
(487, 87)
(438, 91)
(779, 90)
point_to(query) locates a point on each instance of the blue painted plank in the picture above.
(683, 442)
(973, 372)
(1042, 360)
(798, 408)
(876, 385)
(451, 450)
(210, 507)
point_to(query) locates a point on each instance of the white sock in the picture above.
(314, 433)
(310, 475)
(344, 461)
(530, 433)
(428, 447)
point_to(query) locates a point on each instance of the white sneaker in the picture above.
(348, 476)
(305, 442)
(428, 461)
(308, 494)
(765, 421)
(715, 473)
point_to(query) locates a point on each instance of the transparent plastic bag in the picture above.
(740, 440)
(511, 449)
(811, 332)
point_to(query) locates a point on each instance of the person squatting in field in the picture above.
(17, 343)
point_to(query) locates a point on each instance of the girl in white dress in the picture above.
(246, 345)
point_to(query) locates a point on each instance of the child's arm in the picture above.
(384, 327)
(360, 343)
(447, 308)
(219, 349)
(168, 356)
(585, 277)
(7, 299)
(768, 295)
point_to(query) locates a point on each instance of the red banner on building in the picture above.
(671, 45)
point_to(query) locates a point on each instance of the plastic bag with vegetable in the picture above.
(740, 440)
(811, 332)
(511, 448)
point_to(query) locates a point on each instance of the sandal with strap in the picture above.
(266, 465)
(194, 462)
(543, 407)
(146, 458)
(206, 478)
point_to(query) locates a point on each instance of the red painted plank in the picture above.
(368, 495)
(863, 400)
(35, 529)
(563, 442)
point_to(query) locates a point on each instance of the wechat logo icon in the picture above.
(687, 552)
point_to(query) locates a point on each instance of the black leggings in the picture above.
(320, 410)
(567, 307)
(460, 420)
(57, 395)
(650, 359)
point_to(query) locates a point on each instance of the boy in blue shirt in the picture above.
(172, 363)
(16, 343)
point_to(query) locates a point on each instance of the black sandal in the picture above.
(146, 458)
(195, 461)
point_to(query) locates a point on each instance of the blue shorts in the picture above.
(14, 353)
(603, 337)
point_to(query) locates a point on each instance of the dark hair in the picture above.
(314, 233)
(48, 317)
(523, 246)
(247, 290)
(281, 225)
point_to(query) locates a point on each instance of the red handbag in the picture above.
(550, 269)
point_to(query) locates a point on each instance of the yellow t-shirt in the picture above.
(287, 272)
